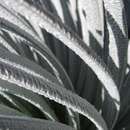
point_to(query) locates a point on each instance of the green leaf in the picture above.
(24, 123)
(117, 44)
(14, 70)
(30, 97)
(4, 110)
(55, 27)
(48, 57)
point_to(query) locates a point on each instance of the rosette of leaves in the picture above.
(64, 65)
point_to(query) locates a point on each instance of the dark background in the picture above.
(127, 7)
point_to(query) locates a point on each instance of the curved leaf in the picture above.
(117, 44)
(6, 100)
(125, 100)
(10, 69)
(42, 51)
(4, 110)
(6, 45)
(22, 123)
(30, 97)
(55, 27)
(48, 57)
(14, 17)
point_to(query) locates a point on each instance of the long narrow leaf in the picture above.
(30, 97)
(118, 43)
(24, 123)
(10, 70)
(4, 110)
(47, 56)
(61, 32)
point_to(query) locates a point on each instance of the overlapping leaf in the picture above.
(11, 66)
(48, 57)
(30, 26)
(58, 30)
(20, 123)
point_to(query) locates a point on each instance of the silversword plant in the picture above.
(64, 65)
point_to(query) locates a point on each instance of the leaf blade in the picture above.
(49, 90)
